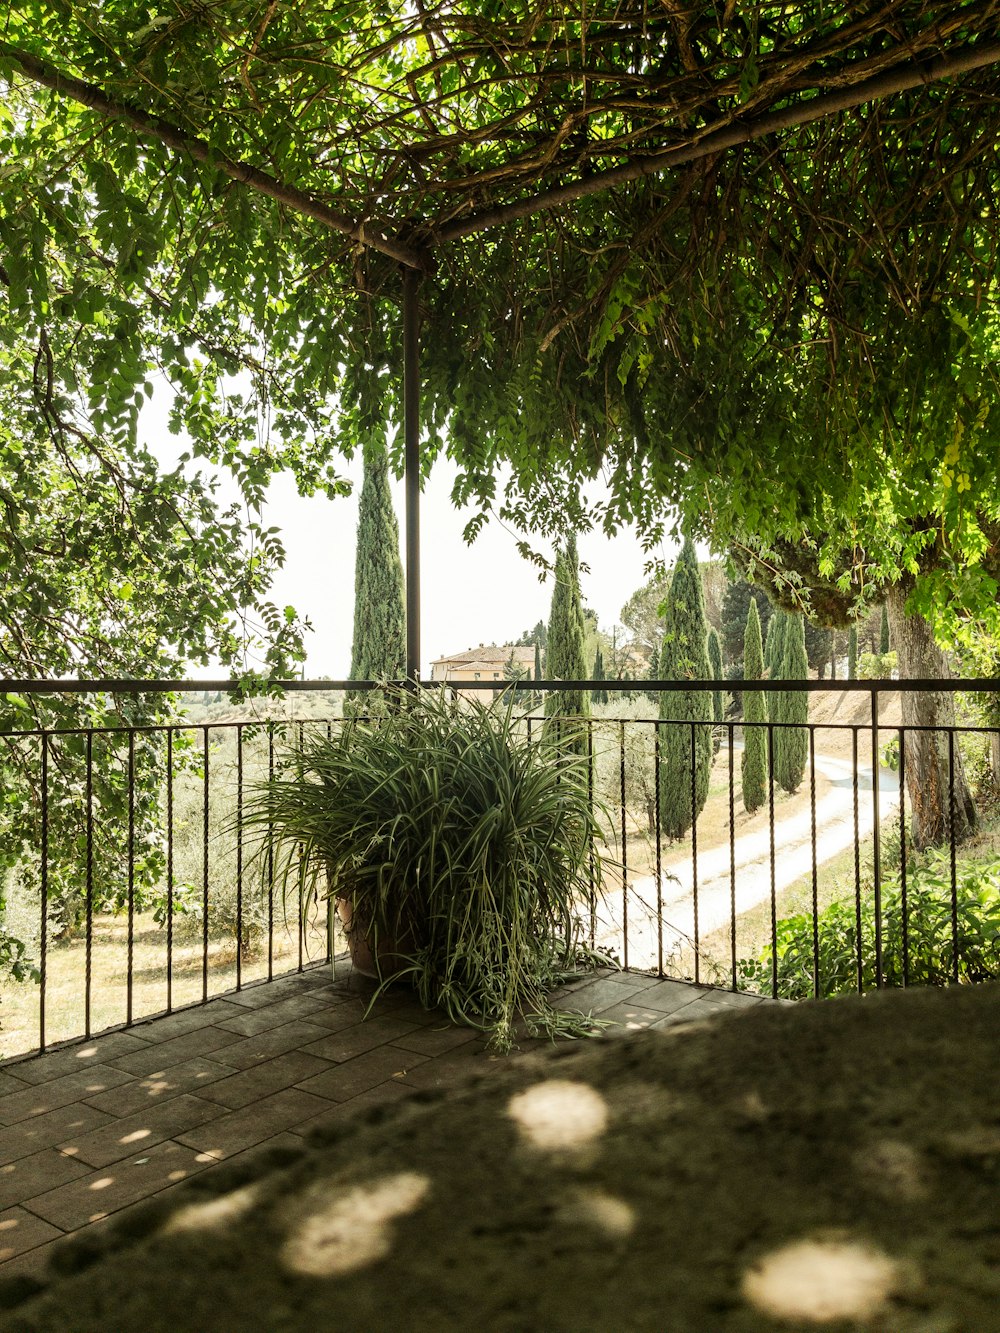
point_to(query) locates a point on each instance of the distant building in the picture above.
(487, 662)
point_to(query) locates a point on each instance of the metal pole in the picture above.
(876, 842)
(411, 436)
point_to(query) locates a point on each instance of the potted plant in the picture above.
(458, 847)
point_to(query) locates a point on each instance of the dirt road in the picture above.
(723, 883)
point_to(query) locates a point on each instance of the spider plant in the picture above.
(459, 841)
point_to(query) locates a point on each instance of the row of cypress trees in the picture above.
(783, 657)
(690, 650)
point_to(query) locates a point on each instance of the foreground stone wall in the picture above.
(820, 1166)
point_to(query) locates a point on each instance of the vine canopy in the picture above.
(740, 259)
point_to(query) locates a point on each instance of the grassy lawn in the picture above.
(66, 970)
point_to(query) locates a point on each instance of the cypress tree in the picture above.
(718, 707)
(883, 637)
(379, 647)
(654, 672)
(774, 648)
(600, 695)
(791, 744)
(715, 662)
(753, 765)
(564, 658)
(852, 653)
(684, 656)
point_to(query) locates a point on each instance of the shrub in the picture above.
(639, 742)
(931, 939)
(877, 666)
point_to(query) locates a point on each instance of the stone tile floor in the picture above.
(92, 1129)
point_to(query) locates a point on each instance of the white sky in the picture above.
(483, 593)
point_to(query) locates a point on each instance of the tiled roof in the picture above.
(489, 655)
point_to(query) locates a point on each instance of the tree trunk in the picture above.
(927, 762)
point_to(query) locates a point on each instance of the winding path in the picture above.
(718, 887)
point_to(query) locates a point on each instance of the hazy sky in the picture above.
(483, 593)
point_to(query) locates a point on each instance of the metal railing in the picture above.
(129, 891)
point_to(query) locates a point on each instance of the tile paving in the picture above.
(89, 1130)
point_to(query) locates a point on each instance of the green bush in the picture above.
(452, 835)
(931, 939)
(877, 666)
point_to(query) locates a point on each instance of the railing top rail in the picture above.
(977, 685)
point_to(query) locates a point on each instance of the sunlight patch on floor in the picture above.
(559, 1114)
(821, 1281)
(604, 1212)
(351, 1231)
(213, 1213)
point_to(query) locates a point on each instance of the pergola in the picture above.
(405, 129)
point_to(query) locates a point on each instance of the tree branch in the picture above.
(362, 233)
(899, 79)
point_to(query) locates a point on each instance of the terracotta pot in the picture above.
(379, 962)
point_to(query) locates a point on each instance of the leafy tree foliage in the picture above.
(819, 647)
(206, 205)
(110, 567)
(735, 608)
(637, 739)
(714, 582)
(641, 614)
(883, 634)
(942, 802)
(753, 762)
(179, 200)
(513, 671)
(685, 752)
(536, 636)
(852, 653)
(379, 645)
(791, 743)
(654, 672)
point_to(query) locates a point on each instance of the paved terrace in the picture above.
(93, 1129)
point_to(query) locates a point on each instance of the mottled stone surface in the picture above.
(832, 1166)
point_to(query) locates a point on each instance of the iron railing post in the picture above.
(876, 842)
(411, 438)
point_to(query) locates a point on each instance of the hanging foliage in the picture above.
(227, 188)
